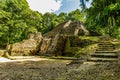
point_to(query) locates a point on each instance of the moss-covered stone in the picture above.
(26, 47)
(80, 46)
(116, 44)
(86, 51)
(92, 38)
(82, 41)
(68, 49)
(2, 52)
(67, 46)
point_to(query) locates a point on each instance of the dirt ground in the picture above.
(32, 70)
(58, 70)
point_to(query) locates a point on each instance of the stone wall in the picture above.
(26, 47)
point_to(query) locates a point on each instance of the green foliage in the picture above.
(34, 19)
(76, 15)
(49, 22)
(103, 17)
(16, 20)
(62, 17)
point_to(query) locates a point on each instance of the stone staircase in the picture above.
(105, 53)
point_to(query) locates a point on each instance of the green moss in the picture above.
(95, 38)
(79, 51)
(68, 50)
(116, 45)
(67, 46)
(87, 50)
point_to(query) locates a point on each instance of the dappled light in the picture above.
(59, 39)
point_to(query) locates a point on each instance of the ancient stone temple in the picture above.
(53, 42)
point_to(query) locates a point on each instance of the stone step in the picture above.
(102, 59)
(105, 49)
(48, 55)
(64, 58)
(105, 52)
(23, 57)
(106, 45)
(105, 55)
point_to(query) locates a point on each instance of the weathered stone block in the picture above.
(26, 47)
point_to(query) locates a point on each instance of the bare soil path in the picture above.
(51, 69)
(31, 69)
